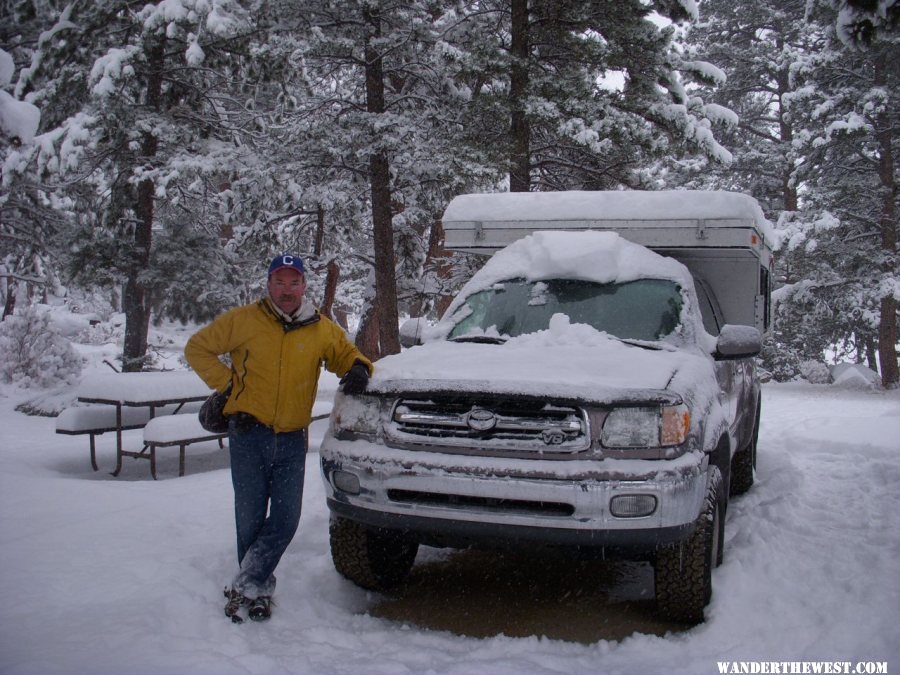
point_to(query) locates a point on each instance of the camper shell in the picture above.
(608, 438)
(723, 238)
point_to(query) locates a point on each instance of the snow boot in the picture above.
(236, 600)
(261, 608)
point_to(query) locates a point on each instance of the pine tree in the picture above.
(149, 133)
(539, 110)
(32, 211)
(368, 138)
(850, 145)
(859, 22)
(758, 46)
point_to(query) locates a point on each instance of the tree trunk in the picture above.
(320, 231)
(788, 190)
(520, 133)
(134, 298)
(366, 338)
(135, 301)
(871, 354)
(380, 176)
(887, 340)
(437, 264)
(331, 280)
(9, 307)
(339, 316)
(887, 326)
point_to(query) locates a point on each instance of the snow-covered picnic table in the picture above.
(143, 389)
(144, 395)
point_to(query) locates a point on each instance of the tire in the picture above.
(376, 560)
(683, 573)
(743, 464)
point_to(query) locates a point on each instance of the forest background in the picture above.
(156, 155)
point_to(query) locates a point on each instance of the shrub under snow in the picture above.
(33, 353)
(815, 372)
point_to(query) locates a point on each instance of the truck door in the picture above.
(730, 375)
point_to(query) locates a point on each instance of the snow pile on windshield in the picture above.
(604, 257)
(562, 331)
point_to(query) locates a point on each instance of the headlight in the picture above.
(356, 414)
(646, 427)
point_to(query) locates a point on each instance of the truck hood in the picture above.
(578, 363)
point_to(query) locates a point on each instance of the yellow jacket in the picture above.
(275, 366)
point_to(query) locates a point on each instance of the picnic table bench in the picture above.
(123, 401)
(180, 430)
(94, 420)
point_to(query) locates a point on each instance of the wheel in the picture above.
(743, 464)
(372, 559)
(683, 573)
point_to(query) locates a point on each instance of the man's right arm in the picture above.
(202, 353)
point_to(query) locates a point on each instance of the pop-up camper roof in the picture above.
(722, 237)
(484, 223)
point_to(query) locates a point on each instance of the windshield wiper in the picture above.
(639, 343)
(483, 339)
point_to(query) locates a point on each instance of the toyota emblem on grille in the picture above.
(479, 419)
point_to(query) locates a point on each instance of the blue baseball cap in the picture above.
(286, 260)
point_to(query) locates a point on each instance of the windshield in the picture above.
(647, 309)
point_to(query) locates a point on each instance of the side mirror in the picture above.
(738, 342)
(411, 331)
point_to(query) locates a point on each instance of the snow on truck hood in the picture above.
(571, 361)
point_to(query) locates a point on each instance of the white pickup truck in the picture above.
(591, 386)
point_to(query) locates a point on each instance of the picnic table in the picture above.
(138, 398)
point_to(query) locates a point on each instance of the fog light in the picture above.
(345, 482)
(632, 506)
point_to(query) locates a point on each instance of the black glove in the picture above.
(356, 379)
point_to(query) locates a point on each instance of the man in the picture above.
(276, 347)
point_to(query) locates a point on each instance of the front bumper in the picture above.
(452, 500)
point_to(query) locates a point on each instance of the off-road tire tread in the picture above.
(372, 559)
(744, 463)
(683, 573)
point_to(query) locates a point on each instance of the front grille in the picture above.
(491, 504)
(487, 426)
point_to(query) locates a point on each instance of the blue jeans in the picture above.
(267, 471)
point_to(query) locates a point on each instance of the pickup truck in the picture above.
(592, 386)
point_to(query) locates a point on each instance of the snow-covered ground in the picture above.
(125, 575)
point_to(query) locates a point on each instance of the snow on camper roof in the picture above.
(663, 207)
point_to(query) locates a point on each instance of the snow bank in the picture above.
(854, 376)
